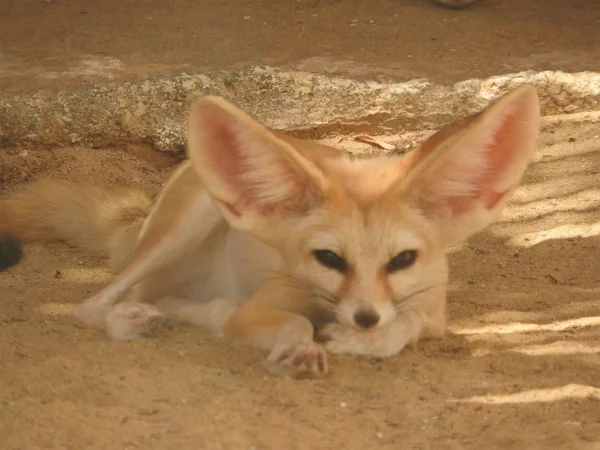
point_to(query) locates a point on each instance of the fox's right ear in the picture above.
(255, 177)
(461, 177)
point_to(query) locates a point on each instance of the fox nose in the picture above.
(366, 318)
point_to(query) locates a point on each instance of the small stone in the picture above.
(379, 435)
(554, 89)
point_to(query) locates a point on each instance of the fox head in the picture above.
(363, 235)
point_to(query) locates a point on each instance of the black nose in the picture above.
(366, 318)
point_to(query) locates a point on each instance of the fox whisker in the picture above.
(403, 298)
(324, 299)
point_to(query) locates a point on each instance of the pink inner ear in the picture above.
(499, 152)
(226, 158)
(219, 153)
(459, 205)
(252, 167)
(501, 156)
(504, 147)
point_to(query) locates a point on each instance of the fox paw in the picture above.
(93, 313)
(342, 340)
(382, 342)
(129, 320)
(297, 361)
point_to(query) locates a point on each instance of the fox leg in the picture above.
(131, 320)
(175, 232)
(210, 315)
(274, 320)
(271, 320)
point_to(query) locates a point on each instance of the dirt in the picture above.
(46, 43)
(518, 369)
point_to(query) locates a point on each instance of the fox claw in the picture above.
(299, 361)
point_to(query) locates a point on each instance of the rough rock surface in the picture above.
(153, 110)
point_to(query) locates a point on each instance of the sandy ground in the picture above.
(519, 368)
(46, 43)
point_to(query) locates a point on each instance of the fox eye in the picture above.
(402, 260)
(331, 260)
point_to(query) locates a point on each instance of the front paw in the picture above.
(342, 340)
(127, 321)
(297, 361)
(381, 341)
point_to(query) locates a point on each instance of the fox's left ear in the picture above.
(461, 177)
(254, 176)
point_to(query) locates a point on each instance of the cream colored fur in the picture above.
(230, 243)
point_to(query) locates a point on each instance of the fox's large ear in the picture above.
(253, 175)
(461, 178)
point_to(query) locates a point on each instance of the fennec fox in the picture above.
(263, 239)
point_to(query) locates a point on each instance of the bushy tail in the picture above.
(104, 221)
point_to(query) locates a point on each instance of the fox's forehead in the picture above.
(366, 232)
(366, 179)
(360, 220)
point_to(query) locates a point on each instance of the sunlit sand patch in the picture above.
(552, 190)
(574, 308)
(519, 327)
(567, 392)
(580, 201)
(84, 275)
(561, 232)
(559, 348)
(56, 309)
(75, 275)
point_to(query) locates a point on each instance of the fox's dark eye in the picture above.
(331, 260)
(402, 260)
